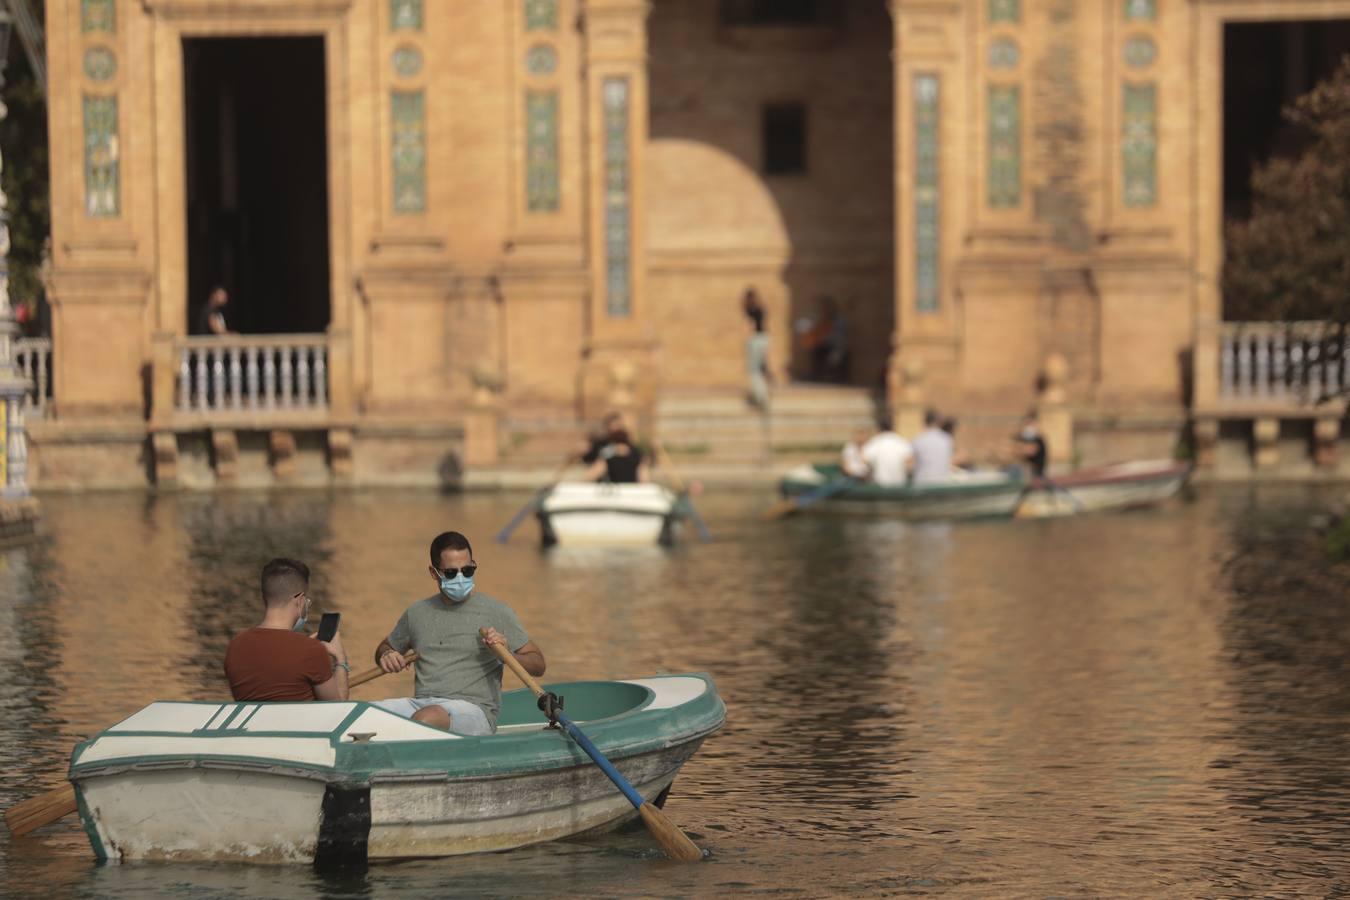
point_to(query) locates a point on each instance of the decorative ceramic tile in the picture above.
(407, 61)
(1141, 10)
(1004, 54)
(1139, 144)
(1140, 51)
(98, 15)
(927, 191)
(405, 15)
(541, 15)
(1005, 146)
(99, 63)
(618, 273)
(1005, 11)
(541, 151)
(409, 151)
(541, 59)
(102, 180)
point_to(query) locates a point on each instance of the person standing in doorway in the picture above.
(212, 320)
(756, 349)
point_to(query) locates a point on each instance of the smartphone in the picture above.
(328, 626)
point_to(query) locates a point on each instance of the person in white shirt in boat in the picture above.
(932, 451)
(851, 462)
(888, 456)
(459, 678)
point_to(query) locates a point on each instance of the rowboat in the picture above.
(1120, 486)
(967, 495)
(588, 512)
(348, 782)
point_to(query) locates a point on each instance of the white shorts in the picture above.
(466, 717)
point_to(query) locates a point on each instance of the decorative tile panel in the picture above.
(1141, 10)
(927, 192)
(102, 180)
(541, 151)
(409, 151)
(407, 61)
(1005, 11)
(618, 233)
(1005, 147)
(1139, 144)
(541, 59)
(1004, 54)
(99, 63)
(98, 15)
(1140, 51)
(541, 15)
(405, 15)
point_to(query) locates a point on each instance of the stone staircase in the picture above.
(714, 434)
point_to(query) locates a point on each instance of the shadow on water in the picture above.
(1145, 704)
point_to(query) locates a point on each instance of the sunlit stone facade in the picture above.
(535, 209)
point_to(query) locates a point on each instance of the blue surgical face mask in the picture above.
(456, 589)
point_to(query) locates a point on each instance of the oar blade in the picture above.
(41, 810)
(673, 841)
(780, 509)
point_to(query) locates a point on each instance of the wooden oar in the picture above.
(60, 802)
(673, 841)
(663, 459)
(784, 508)
(533, 503)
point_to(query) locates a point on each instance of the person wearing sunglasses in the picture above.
(459, 678)
(276, 660)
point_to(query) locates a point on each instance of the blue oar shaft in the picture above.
(599, 759)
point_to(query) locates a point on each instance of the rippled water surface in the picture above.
(1149, 704)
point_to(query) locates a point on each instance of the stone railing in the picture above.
(33, 356)
(1280, 363)
(255, 376)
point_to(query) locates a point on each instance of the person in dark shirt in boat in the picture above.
(276, 660)
(613, 457)
(1031, 445)
(459, 678)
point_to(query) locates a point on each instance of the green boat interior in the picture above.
(584, 701)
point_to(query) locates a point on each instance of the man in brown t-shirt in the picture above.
(273, 661)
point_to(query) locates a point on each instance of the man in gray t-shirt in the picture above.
(459, 679)
(932, 451)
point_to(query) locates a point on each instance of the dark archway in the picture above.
(257, 181)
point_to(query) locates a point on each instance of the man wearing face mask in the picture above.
(459, 679)
(276, 660)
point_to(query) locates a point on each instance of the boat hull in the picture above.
(587, 513)
(991, 496)
(343, 782)
(1118, 487)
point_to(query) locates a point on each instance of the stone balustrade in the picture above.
(33, 356)
(254, 375)
(1288, 364)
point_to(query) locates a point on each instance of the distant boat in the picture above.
(967, 495)
(588, 512)
(1121, 486)
(347, 782)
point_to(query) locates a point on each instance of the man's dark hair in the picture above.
(884, 423)
(931, 417)
(282, 579)
(448, 540)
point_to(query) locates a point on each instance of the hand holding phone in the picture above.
(328, 626)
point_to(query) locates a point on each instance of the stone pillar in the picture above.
(907, 401)
(482, 423)
(1205, 432)
(1266, 442)
(1326, 437)
(1053, 409)
(616, 116)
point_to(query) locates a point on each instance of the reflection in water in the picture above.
(1139, 704)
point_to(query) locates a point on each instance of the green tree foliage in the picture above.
(1291, 260)
(23, 141)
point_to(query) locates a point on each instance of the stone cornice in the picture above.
(218, 9)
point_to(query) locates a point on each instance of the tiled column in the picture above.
(616, 119)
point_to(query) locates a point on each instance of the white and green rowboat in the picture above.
(348, 782)
(974, 495)
(591, 513)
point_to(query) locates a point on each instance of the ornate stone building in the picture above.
(449, 224)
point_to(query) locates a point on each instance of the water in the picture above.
(1146, 704)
